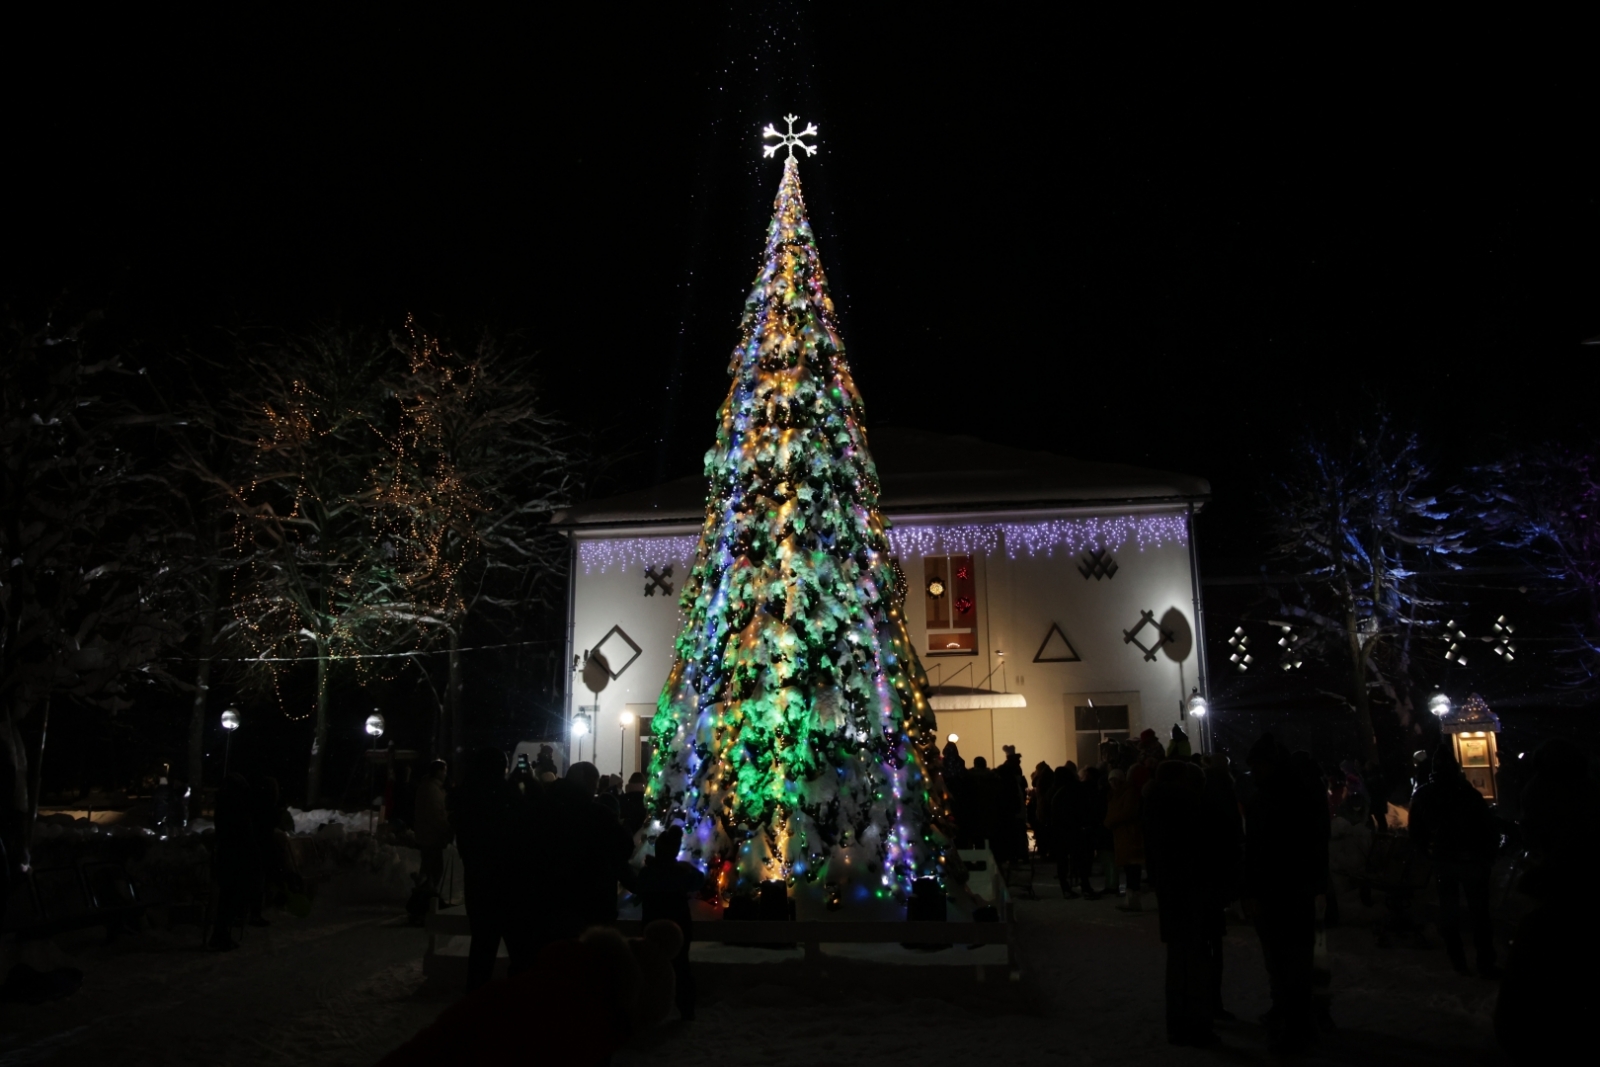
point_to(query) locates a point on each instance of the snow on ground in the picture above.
(345, 985)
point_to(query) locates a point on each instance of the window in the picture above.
(1096, 723)
(950, 591)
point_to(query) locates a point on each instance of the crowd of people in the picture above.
(543, 855)
(1206, 835)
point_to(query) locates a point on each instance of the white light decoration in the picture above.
(1439, 704)
(375, 725)
(1240, 643)
(953, 738)
(789, 140)
(1198, 706)
(580, 726)
(230, 720)
(1039, 538)
(1504, 646)
(627, 552)
(908, 542)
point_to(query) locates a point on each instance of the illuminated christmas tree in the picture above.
(794, 740)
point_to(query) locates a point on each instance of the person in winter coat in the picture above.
(1311, 774)
(1042, 783)
(1122, 819)
(234, 857)
(1096, 836)
(1182, 855)
(664, 886)
(1179, 747)
(594, 849)
(1149, 746)
(1541, 1013)
(431, 824)
(1065, 804)
(1225, 835)
(484, 819)
(631, 803)
(1285, 867)
(1450, 821)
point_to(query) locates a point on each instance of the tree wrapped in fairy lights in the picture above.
(794, 740)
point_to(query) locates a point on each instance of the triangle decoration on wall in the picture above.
(1056, 648)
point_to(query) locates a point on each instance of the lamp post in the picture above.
(1439, 704)
(374, 729)
(1197, 711)
(230, 723)
(580, 730)
(626, 720)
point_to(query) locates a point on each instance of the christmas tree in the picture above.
(794, 740)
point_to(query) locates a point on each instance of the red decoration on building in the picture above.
(963, 604)
(963, 572)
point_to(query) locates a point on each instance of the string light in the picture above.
(1044, 538)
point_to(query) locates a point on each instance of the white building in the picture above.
(1054, 602)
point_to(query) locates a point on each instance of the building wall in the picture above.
(1020, 596)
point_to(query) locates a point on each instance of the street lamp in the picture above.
(580, 730)
(1198, 706)
(375, 727)
(953, 738)
(626, 719)
(230, 723)
(1439, 704)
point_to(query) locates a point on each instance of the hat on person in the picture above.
(1148, 735)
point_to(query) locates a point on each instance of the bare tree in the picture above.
(1542, 505)
(82, 532)
(465, 493)
(313, 582)
(1367, 540)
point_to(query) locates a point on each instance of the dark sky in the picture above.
(1170, 246)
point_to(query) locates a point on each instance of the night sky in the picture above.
(1169, 248)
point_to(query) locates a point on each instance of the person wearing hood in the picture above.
(1179, 747)
(1450, 821)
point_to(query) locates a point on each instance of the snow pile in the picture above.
(309, 822)
(354, 867)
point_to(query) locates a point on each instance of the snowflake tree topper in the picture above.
(790, 140)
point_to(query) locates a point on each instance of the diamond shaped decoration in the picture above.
(1147, 618)
(616, 637)
(1097, 563)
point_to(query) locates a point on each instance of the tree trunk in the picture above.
(452, 701)
(1358, 671)
(319, 739)
(202, 686)
(36, 770)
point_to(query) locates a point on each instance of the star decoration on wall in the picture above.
(790, 140)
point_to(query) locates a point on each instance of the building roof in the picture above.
(933, 473)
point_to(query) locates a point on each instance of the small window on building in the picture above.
(950, 591)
